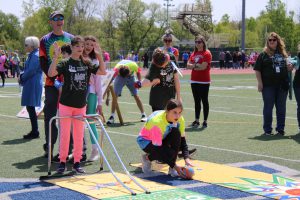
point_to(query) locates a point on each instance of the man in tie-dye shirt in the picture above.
(56, 21)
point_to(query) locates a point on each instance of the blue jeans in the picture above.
(297, 96)
(274, 96)
(120, 82)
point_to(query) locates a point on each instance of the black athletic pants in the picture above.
(168, 151)
(200, 94)
(33, 120)
(2, 74)
(50, 109)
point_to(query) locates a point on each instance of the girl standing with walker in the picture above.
(76, 71)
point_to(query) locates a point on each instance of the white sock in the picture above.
(144, 113)
(113, 115)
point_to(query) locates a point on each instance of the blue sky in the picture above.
(220, 7)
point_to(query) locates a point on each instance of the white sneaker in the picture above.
(111, 120)
(143, 118)
(94, 154)
(146, 164)
(172, 172)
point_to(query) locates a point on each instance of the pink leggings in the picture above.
(78, 132)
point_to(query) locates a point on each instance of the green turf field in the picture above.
(233, 135)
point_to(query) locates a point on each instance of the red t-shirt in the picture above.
(201, 76)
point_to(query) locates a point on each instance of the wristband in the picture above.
(138, 84)
(57, 84)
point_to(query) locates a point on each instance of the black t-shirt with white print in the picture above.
(76, 80)
(273, 69)
(161, 93)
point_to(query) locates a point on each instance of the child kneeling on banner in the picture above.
(76, 71)
(163, 136)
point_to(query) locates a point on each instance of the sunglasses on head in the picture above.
(198, 42)
(272, 40)
(166, 40)
(60, 18)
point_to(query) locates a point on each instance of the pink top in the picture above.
(106, 57)
(2, 61)
(96, 87)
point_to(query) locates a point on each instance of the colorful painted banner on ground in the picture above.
(179, 194)
(104, 186)
(245, 180)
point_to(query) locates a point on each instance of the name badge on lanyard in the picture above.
(277, 69)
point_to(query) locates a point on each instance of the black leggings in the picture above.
(2, 74)
(33, 119)
(168, 151)
(200, 93)
(50, 109)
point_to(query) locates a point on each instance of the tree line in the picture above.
(131, 25)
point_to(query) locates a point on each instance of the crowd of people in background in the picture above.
(236, 59)
(222, 59)
(10, 65)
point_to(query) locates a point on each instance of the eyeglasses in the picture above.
(57, 19)
(272, 40)
(199, 42)
(167, 40)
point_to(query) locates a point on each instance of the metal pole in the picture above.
(168, 13)
(243, 24)
(106, 161)
(168, 4)
(117, 155)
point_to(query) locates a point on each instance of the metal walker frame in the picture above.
(96, 118)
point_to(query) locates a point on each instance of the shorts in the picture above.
(120, 82)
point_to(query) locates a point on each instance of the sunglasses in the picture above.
(167, 40)
(199, 42)
(272, 40)
(26, 45)
(57, 19)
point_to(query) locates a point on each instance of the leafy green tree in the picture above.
(10, 31)
(136, 21)
(231, 28)
(225, 19)
(251, 24)
(37, 24)
(281, 23)
(108, 25)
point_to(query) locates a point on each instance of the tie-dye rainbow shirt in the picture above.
(157, 128)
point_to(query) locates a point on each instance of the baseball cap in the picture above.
(53, 14)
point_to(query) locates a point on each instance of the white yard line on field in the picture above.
(212, 95)
(9, 116)
(231, 80)
(10, 95)
(206, 147)
(217, 111)
(221, 149)
(6, 92)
